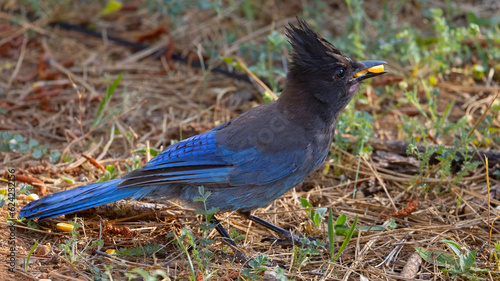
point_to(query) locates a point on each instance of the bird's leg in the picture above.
(227, 239)
(240, 256)
(288, 237)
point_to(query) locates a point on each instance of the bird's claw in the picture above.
(244, 259)
(291, 240)
(237, 255)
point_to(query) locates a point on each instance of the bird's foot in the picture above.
(237, 255)
(287, 238)
(244, 259)
(292, 239)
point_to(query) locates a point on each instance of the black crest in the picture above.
(310, 49)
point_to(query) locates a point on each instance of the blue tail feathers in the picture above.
(76, 199)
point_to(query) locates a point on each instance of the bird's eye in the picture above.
(339, 73)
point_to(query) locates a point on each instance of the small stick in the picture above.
(42, 189)
(19, 60)
(257, 79)
(94, 162)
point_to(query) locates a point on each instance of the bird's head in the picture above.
(320, 69)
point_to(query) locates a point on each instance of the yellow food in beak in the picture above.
(374, 69)
(361, 73)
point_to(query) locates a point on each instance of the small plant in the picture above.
(496, 254)
(357, 15)
(462, 264)
(280, 274)
(270, 54)
(208, 214)
(17, 143)
(447, 157)
(32, 224)
(359, 124)
(338, 228)
(101, 118)
(199, 248)
(236, 236)
(109, 174)
(27, 260)
(98, 243)
(187, 237)
(302, 253)
(98, 275)
(315, 215)
(143, 150)
(69, 248)
(257, 268)
(25, 188)
(269, 60)
(332, 231)
(136, 163)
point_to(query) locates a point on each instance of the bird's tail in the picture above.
(77, 199)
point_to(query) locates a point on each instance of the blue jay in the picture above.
(252, 159)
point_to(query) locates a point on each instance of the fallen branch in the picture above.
(400, 147)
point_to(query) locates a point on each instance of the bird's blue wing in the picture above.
(199, 150)
(195, 160)
(200, 160)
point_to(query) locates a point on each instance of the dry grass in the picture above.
(54, 79)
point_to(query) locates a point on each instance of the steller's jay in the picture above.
(252, 159)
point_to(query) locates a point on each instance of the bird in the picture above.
(251, 160)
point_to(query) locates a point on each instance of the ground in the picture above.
(77, 105)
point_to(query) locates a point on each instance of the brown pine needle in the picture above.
(94, 162)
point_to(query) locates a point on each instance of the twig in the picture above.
(489, 201)
(374, 171)
(257, 79)
(42, 189)
(19, 61)
(108, 144)
(94, 163)
(484, 114)
(396, 250)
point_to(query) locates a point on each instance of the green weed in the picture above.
(316, 215)
(257, 267)
(27, 260)
(461, 264)
(70, 247)
(18, 143)
(101, 117)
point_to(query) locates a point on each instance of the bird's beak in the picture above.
(368, 69)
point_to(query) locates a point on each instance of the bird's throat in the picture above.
(354, 87)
